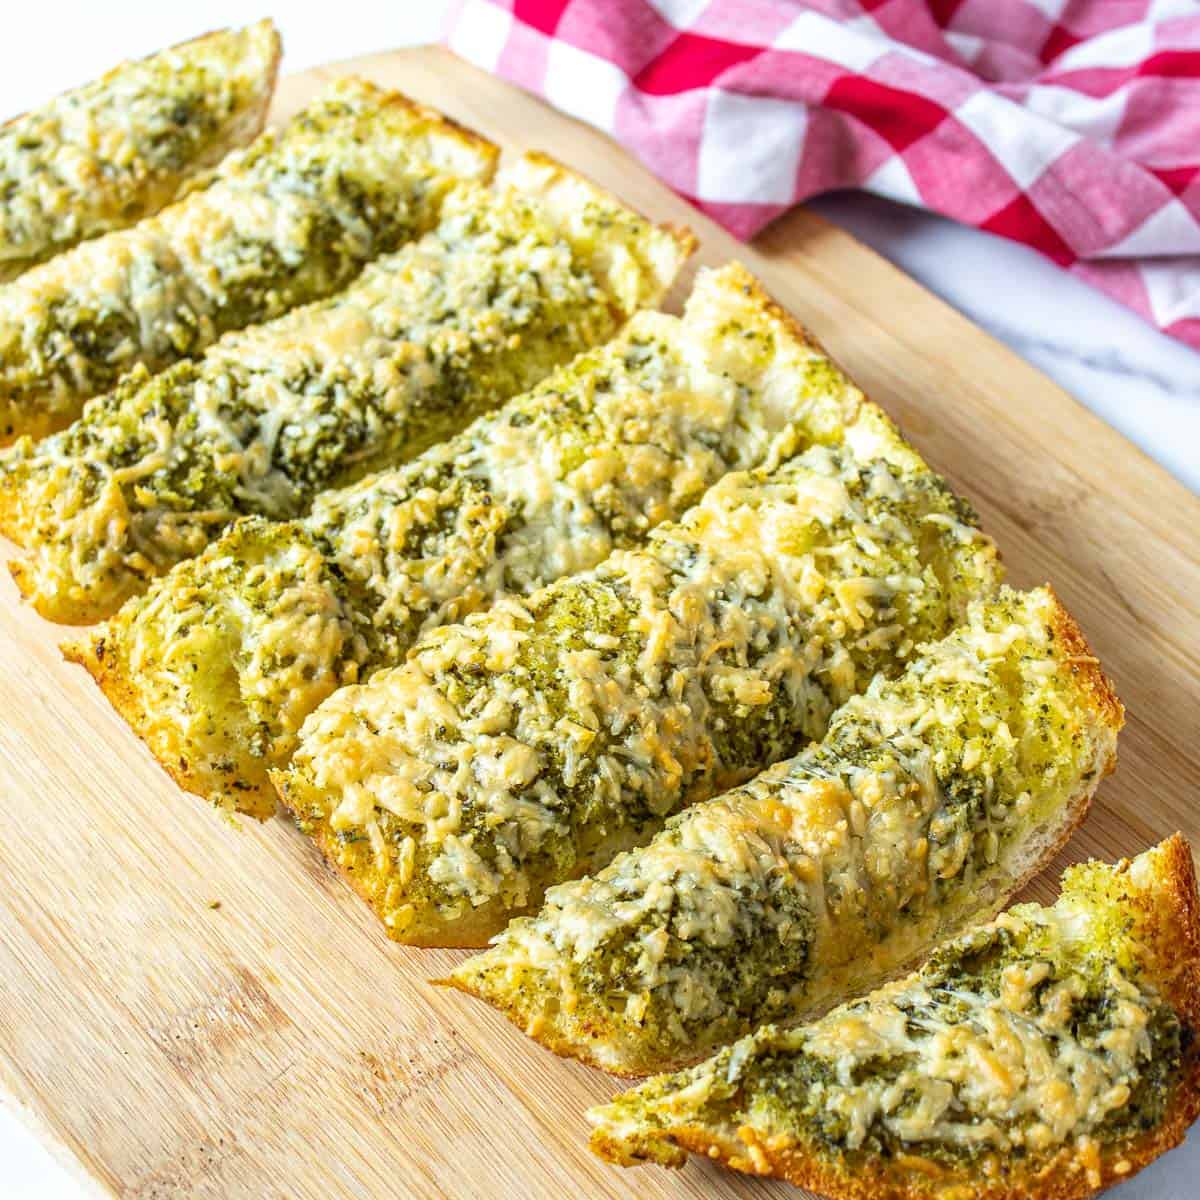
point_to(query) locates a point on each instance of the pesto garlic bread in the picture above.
(1052, 1053)
(293, 217)
(930, 800)
(534, 741)
(218, 665)
(512, 283)
(118, 149)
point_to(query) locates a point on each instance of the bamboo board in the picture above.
(192, 1010)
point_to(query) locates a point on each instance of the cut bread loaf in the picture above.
(221, 662)
(510, 285)
(929, 802)
(292, 218)
(1052, 1053)
(118, 149)
(534, 741)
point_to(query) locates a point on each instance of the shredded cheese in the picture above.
(1040, 1042)
(291, 218)
(116, 150)
(732, 649)
(428, 338)
(827, 872)
(229, 655)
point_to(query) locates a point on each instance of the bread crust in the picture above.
(257, 799)
(685, 241)
(1169, 914)
(1085, 666)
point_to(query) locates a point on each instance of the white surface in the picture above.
(1143, 383)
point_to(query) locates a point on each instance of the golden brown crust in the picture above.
(256, 799)
(684, 238)
(1174, 929)
(18, 568)
(10, 511)
(1085, 666)
(1170, 909)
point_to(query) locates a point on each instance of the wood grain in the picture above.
(277, 1045)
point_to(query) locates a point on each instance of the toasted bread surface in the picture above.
(291, 218)
(119, 149)
(920, 810)
(1104, 983)
(505, 289)
(274, 617)
(722, 645)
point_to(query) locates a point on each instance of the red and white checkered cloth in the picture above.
(1070, 125)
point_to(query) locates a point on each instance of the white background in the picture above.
(1143, 383)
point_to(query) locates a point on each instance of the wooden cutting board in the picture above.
(193, 1010)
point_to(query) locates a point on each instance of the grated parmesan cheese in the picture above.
(116, 150)
(428, 338)
(229, 654)
(827, 872)
(1042, 1043)
(293, 217)
(732, 651)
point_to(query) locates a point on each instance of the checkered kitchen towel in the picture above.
(1070, 125)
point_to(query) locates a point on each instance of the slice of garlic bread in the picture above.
(534, 741)
(930, 800)
(1052, 1053)
(509, 286)
(221, 662)
(107, 154)
(293, 217)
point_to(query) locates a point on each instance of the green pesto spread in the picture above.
(1042, 1033)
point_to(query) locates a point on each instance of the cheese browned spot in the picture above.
(534, 741)
(929, 799)
(293, 217)
(120, 148)
(221, 662)
(506, 288)
(1051, 1052)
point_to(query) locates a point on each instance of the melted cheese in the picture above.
(231, 654)
(107, 154)
(478, 310)
(726, 647)
(1040, 1036)
(293, 217)
(825, 873)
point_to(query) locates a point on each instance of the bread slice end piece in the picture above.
(1156, 894)
(97, 654)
